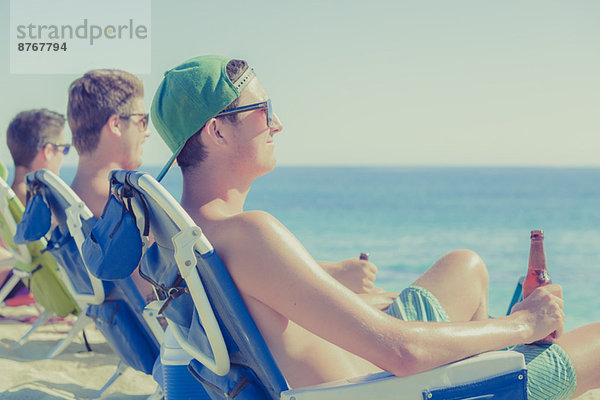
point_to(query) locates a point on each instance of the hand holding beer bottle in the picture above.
(537, 272)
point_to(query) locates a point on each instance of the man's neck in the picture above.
(91, 181)
(210, 195)
(18, 185)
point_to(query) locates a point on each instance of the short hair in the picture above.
(96, 96)
(193, 152)
(29, 131)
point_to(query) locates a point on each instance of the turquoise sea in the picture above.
(407, 217)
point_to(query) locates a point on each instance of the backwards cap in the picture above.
(191, 94)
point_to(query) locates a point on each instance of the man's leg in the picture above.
(583, 346)
(459, 280)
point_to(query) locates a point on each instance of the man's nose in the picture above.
(276, 125)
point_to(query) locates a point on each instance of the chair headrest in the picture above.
(113, 249)
(36, 221)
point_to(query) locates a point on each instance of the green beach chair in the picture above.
(37, 270)
(14, 253)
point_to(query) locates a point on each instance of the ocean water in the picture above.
(406, 218)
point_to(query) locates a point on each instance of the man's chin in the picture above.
(271, 167)
(264, 170)
(132, 166)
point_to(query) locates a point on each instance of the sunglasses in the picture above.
(142, 123)
(257, 106)
(66, 147)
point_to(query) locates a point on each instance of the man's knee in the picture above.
(470, 263)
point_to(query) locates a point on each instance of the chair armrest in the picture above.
(150, 314)
(384, 386)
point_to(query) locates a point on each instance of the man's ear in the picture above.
(114, 125)
(47, 152)
(213, 134)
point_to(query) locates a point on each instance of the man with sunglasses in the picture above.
(109, 125)
(358, 274)
(36, 140)
(217, 119)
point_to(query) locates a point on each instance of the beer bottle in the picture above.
(537, 273)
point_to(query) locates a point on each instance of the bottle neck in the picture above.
(537, 255)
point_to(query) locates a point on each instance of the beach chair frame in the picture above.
(19, 252)
(73, 211)
(39, 182)
(21, 255)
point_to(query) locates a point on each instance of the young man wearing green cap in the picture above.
(358, 274)
(216, 117)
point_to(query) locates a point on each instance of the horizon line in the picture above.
(407, 166)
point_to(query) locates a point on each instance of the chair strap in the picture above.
(56, 244)
(240, 385)
(129, 193)
(174, 293)
(36, 269)
(167, 293)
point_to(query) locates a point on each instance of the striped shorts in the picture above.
(550, 373)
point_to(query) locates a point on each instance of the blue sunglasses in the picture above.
(257, 106)
(65, 147)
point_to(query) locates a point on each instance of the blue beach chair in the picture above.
(209, 322)
(116, 307)
(517, 295)
(38, 271)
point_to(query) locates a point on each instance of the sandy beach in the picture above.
(74, 374)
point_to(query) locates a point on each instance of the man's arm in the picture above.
(268, 263)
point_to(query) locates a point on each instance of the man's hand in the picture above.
(543, 312)
(357, 275)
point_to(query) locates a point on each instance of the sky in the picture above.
(444, 83)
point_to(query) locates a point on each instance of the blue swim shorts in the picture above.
(550, 372)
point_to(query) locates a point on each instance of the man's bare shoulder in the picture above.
(253, 219)
(251, 244)
(251, 226)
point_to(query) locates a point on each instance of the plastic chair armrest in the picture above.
(385, 386)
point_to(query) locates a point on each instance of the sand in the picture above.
(74, 374)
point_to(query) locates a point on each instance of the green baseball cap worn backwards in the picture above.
(191, 94)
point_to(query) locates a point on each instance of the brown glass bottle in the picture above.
(537, 272)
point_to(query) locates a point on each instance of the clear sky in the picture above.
(377, 82)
